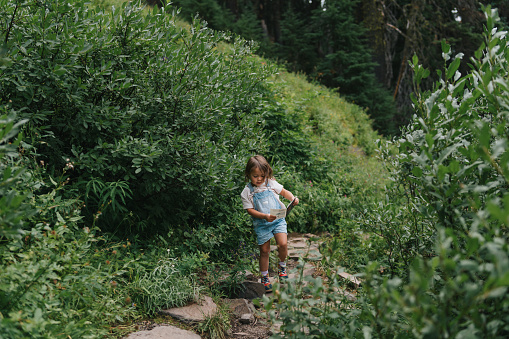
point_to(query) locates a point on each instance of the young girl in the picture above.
(258, 197)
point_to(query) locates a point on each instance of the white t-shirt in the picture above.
(247, 196)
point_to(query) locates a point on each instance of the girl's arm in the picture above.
(255, 214)
(288, 195)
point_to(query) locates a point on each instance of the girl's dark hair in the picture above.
(261, 163)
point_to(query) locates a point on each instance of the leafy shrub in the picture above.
(452, 168)
(163, 287)
(47, 278)
(398, 228)
(13, 207)
(151, 113)
(334, 202)
(310, 308)
(459, 292)
(57, 276)
(442, 229)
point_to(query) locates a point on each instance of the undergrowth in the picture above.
(79, 255)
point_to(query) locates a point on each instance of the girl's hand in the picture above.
(270, 218)
(296, 202)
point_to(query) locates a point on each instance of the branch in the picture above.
(10, 24)
(397, 30)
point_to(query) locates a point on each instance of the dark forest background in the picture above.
(359, 47)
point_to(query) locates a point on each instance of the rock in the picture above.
(195, 312)
(241, 306)
(300, 243)
(300, 247)
(251, 290)
(311, 254)
(247, 289)
(309, 270)
(246, 318)
(294, 236)
(354, 280)
(242, 309)
(164, 332)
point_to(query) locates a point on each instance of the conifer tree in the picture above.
(297, 45)
(346, 62)
(216, 16)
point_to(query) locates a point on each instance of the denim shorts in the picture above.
(266, 231)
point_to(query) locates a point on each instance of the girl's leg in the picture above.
(264, 256)
(264, 266)
(282, 246)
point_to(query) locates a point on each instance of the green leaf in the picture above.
(59, 217)
(417, 171)
(442, 171)
(453, 67)
(59, 70)
(446, 50)
(429, 139)
(454, 166)
(415, 60)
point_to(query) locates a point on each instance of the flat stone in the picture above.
(195, 312)
(251, 290)
(164, 332)
(298, 244)
(308, 271)
(295, 235)
(352, 279)
(305, 236)
(312, 255)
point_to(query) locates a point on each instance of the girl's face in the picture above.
(257, 177)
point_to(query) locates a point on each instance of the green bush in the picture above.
(309, 307)
(42, 270)
(451, 168)
(163, 287)
(13, 206)
(58, 276)
(334, 198)
(441, 234)
(152, 114)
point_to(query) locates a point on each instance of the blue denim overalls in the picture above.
(263, 202)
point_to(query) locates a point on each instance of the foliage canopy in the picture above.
(154, 121)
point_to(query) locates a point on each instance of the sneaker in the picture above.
(266, 283)
(283, 276)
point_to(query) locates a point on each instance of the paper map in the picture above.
(282, 212)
